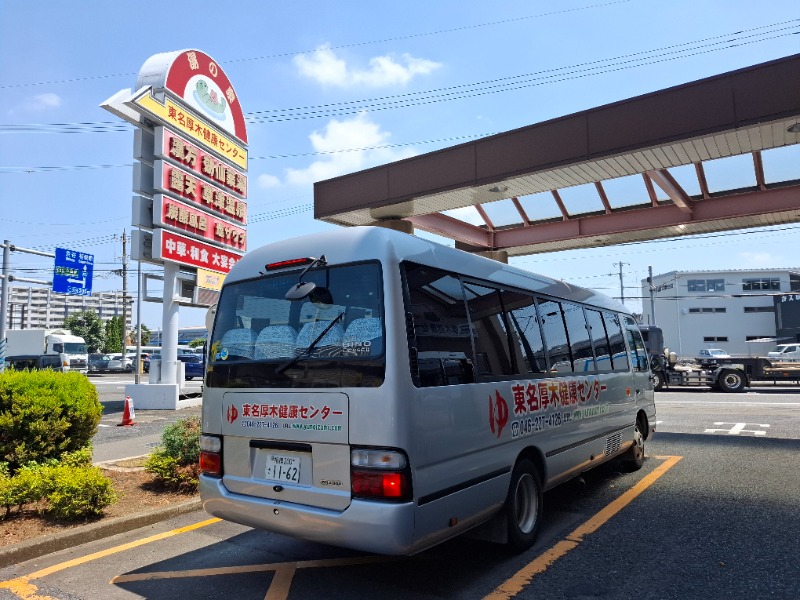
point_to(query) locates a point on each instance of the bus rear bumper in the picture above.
(379, 527)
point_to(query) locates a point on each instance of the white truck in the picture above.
(30, 342)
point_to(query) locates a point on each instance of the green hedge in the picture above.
(72, 488)
(44, 414)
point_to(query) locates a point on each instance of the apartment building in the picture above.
(34, 308)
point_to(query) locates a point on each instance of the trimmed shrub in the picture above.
(79, 492)
(175, 462)
(181, 440)
(44, 414)
(29, 484)
(78, 458)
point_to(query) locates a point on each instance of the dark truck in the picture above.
(725, 374)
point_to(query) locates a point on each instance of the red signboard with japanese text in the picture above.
(170, 145)
(174, 180)
(187, 251)
(194, 135)
(171, 213)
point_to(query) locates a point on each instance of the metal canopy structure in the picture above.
(742, 112)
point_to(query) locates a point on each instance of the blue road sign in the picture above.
(72, 273)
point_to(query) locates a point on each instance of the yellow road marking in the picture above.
(302, 564)
(281, 582)
(517, 582)
(22, 587)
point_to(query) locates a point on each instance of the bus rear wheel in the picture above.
(523, 507)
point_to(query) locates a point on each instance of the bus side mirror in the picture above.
(210, 314)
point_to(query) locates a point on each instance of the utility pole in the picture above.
(652, 294)
(124, 291)
(621, 286)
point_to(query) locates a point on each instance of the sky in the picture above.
(330, 88)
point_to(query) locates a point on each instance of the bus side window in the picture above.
(600, 339)
(440, 342)
(579, 341)
(555, 335)
(619, 354)
(525, 324)
(489, 330)
(638, 353)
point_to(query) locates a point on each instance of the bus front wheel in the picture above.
(523, 507)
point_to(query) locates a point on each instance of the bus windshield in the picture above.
(331, 338)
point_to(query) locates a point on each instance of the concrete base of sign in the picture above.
(159, 396)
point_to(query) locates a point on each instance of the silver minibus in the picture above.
(374, 390)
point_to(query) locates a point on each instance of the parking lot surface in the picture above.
(713, 514)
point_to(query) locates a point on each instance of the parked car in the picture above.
(35, 362)
(120, 364)
(195, 365)
(785, 353)
(98, 363)
(713, 353)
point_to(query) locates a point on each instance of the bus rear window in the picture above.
(337, 329)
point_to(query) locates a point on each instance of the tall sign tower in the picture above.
(190, 191)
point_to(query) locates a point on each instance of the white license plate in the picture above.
(281, 467)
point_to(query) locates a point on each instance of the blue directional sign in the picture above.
(72, 273)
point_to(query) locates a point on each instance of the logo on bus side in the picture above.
(546, 404)
(233, 414)
(498, 413)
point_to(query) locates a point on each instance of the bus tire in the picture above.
(731, 380)
(523, 506)
(633, 459)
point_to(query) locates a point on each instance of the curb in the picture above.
(35, 548)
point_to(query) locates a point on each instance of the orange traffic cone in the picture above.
(128, 415)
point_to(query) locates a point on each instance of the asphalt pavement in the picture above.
(115, 441)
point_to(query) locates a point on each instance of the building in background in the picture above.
(185, 335)
(41, 308)
(742, 312)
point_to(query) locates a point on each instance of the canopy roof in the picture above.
(743, 112)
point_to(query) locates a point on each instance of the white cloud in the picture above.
(758, 259)
(268, 181)
(45, 102)
(326, 68)
(357, 135)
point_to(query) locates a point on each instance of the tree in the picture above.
(113, 341)
(86, 324)
(145, 335)
(197, 342)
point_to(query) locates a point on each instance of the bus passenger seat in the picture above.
(239, 342)
(275, 341)
(359, 333)
(331, 342)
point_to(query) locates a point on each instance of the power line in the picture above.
(515, 82)
(341, 46)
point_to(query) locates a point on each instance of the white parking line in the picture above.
(727, 403)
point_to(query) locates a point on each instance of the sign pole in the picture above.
(169, 335)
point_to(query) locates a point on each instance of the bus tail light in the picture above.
(211, 455)
(380, 475)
